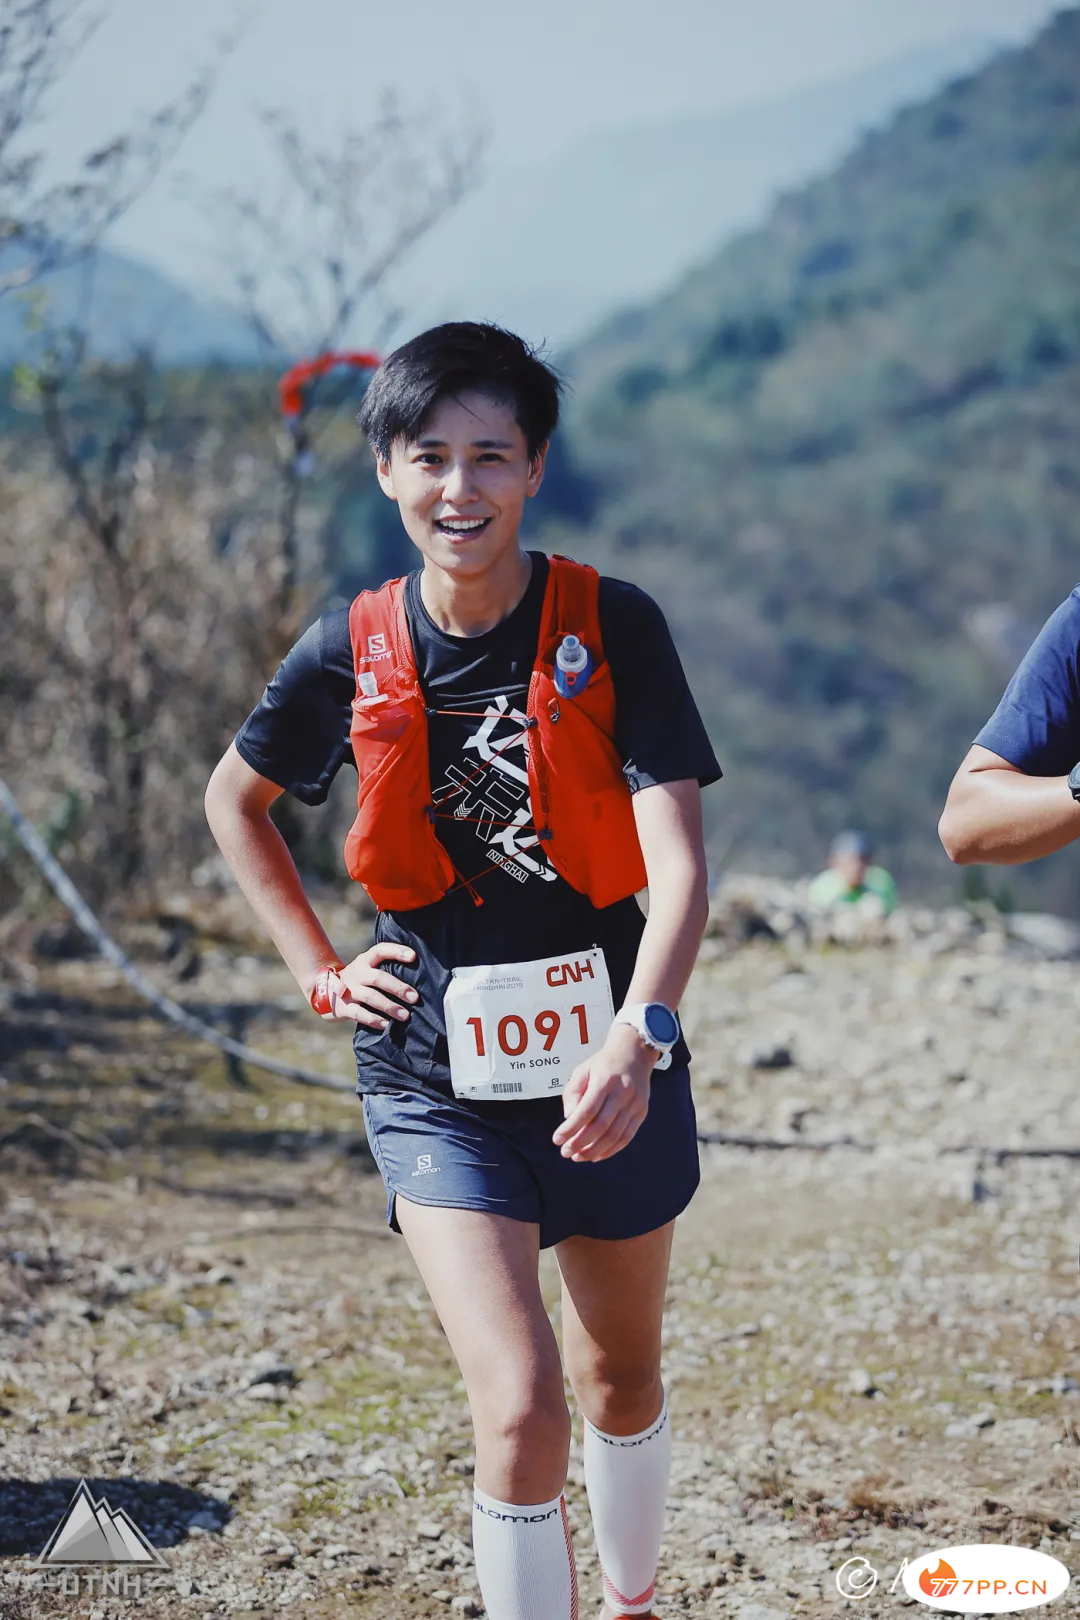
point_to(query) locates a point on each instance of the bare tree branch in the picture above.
(310, 262)
(125, 397)
(48, 227)
(37, 42)
(307, 262)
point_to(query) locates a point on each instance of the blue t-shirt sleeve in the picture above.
(1036, 726)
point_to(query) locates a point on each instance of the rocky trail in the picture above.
(873, 1334)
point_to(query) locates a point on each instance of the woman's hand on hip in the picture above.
(361, 992)
(606, 1097)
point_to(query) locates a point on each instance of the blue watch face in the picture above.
(662, 1025)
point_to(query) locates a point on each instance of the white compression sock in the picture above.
(524, 1559)
(626, 1476)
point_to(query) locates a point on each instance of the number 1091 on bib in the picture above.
(519, 1029)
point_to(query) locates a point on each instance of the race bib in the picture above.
(519, 1029)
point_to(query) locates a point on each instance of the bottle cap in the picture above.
(572, 654)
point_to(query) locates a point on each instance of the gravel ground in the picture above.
(873, 1344)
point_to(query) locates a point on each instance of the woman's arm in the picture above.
(673, 846)
(607, 1096)
(237, 806)
(995, 813)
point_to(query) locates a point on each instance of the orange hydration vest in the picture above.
(581, 803)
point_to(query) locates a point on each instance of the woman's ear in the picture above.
(385, 477)
(536, 470)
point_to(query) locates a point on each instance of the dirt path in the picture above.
(873, 1349)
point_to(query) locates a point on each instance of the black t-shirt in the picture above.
(298, 737)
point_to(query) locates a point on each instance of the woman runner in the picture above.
(510, 1015)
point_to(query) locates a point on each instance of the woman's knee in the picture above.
(618, 1395)
(524, 1423)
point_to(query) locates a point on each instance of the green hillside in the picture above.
(845, 455)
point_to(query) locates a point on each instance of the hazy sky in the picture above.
(536, 75)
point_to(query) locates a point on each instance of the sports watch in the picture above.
(656, 1024)
(1074, 782)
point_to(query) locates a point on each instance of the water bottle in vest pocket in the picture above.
(573, 666)
(379, 718)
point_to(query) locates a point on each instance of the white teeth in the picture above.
(462, 525)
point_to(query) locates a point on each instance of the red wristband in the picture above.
(324, 993)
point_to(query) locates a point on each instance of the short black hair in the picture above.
(453, 359)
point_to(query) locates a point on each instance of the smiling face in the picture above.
(461, 486)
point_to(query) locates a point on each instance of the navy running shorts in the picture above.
(498, 1156)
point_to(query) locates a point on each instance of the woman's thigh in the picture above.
(481, 1272)
(613, 1306)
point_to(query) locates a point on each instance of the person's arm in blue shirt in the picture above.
(997, 814)
(1010, 801)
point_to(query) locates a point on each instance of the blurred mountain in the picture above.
(611, 221)
(551, 249)
(126, 306)
(844, 453)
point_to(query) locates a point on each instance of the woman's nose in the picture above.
(459, 483)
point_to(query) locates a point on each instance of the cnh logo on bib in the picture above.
(519, 1029)
(568, 972)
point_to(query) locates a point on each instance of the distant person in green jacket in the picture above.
(850, 876)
